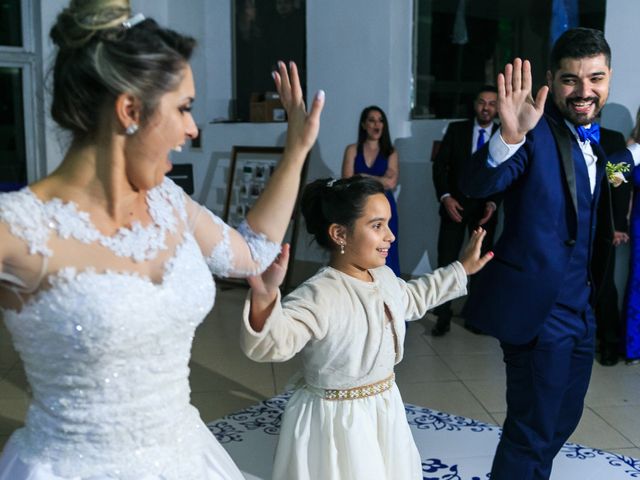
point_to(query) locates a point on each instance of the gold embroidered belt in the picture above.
(358, 392)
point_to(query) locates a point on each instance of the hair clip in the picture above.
(331, 182)
(133, 21)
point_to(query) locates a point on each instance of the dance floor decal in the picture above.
(452, 447)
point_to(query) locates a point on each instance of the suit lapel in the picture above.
(566, 158)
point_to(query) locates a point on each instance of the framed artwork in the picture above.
(250, 169)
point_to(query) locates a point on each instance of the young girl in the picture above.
(347, 421)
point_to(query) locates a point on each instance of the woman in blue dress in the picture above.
(375, 156)
(632, 307)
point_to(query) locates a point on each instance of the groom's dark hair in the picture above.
(579, 43)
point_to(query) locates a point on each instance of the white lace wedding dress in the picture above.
(104, 326)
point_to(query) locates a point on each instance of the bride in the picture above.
(105, 264)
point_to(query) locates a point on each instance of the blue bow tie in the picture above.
(592, 133)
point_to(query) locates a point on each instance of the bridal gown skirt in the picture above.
(346, 439)
(214, 464)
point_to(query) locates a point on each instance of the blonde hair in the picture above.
(82, 19)
(99, 58)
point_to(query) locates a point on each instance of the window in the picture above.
(13, 168)
(19, 158)
(460, 45)
(10, 23)
(266, 31)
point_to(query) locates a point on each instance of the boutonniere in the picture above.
(615, 173)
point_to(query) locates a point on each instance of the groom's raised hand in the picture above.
(518, 112)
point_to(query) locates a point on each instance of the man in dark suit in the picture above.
(534, 296)
(459, 213)
(607, 238)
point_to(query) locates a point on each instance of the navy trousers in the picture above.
(547, 381)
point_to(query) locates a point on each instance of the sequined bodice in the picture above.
(106, 350)
(107, 357)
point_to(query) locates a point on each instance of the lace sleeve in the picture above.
(230, 252)
(23, 228)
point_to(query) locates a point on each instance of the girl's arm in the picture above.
(446, 283)
(274, 331)
(265, 288)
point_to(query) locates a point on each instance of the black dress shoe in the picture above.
(440, 329)
(608, 358)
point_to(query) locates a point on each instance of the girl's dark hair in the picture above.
(327, 201)
(98, 59)
(386, 147)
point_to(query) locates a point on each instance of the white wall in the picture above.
(356, 65)
(620, 29)
(359, 52)
(624, 99)
(54, 139)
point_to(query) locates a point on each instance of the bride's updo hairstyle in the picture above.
(327, 201)
(99, 57)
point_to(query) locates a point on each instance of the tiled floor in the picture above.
(460, 373)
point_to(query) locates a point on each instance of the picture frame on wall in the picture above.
(250, 169)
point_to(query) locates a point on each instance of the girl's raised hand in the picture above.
(303, 127)
(266, 284)
(471, 259)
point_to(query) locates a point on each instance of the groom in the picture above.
(534, 297)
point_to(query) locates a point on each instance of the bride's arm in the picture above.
(20, 271)
(271, 213)
(255, 244)
(230, 252)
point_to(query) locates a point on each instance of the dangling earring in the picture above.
(342, 249)
(131, 129)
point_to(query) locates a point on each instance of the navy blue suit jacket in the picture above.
(514, 293)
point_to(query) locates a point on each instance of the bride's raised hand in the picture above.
(303, 127)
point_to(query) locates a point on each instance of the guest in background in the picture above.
(611, 231)
(632, 307)
(375, 156)
(459, 213)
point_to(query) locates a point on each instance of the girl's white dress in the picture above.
(350, 334)
(104, 326)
